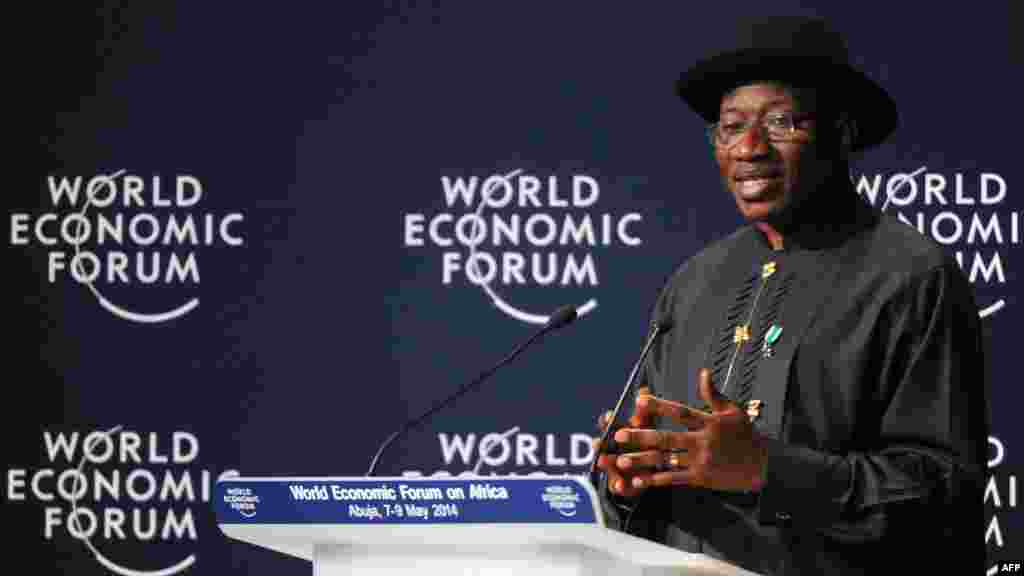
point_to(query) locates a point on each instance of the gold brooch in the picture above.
(741, 334)
(754, 409)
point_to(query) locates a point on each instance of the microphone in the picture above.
(658, 328)
(561, 318)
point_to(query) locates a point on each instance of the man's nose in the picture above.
(753, 143)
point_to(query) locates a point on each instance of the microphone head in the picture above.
(562, 317)
(665, 324)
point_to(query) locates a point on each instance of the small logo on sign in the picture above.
(243, 500)
(562, 499)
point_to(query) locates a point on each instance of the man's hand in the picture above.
(619, 479)
(721, 449)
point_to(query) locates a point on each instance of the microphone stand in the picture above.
(561, 317)
(657, 329)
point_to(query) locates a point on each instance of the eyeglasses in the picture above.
(779, 127)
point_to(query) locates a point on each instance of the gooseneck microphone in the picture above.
(658, 328)
(561, 318)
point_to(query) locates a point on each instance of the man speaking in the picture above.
(819, 406)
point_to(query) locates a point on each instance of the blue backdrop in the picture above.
(301, 283)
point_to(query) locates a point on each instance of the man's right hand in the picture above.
(618, 467)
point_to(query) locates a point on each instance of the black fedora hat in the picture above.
(799, 51)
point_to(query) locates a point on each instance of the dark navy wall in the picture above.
(324, 137)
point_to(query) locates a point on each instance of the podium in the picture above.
(522, 526)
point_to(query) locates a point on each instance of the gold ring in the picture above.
(673, 461)
(664, 461)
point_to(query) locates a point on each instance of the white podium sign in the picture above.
(549, 525)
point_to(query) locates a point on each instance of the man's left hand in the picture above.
(720, 450)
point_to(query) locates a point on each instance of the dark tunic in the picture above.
(873, 396)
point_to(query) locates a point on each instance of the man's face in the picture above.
(766, 178)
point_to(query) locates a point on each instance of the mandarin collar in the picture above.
(828, 218)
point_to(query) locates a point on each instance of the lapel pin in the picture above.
(754, 409)
(770, 338)
(741, 334)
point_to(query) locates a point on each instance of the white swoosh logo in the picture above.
(106, 303)
(496, 299)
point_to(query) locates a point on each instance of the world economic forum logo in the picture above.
(243, 500)
(1000, 499)
(562, 499)
(501, 232)
(125, 237)
(962, 211)
(131, 498)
